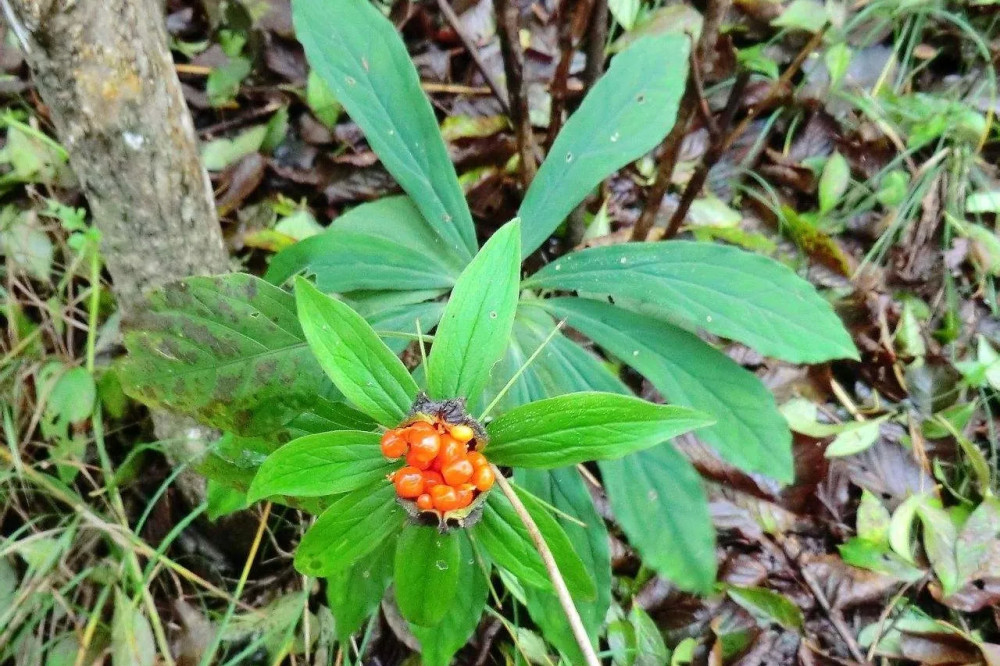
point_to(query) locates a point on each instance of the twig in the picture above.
(456, 24)
(454, 88)
(669, 150)
(567, 17)
(597, 38)
(562, 592)
(836, 619)
(513, 63)
(777, 87)
(15, 23)
(712, 156)
(671, 146)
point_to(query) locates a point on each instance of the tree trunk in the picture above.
(104, 70)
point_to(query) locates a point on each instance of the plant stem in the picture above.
(779, 86)
(513, 63)
(671, 146)
(562, 592)
(463, 35)
(520, 371)
(597, 37)
(569, 12)
(712, 156)
(94, 304)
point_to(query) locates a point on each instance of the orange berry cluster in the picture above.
(441, 473)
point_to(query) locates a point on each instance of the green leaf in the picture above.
(976, 539)
(561, 367)
(506, 539)
(218, 154)
(853, 439)
(873, 519)
(575, 428)
(624, 11)
(837, 59)
(723, 290)
(398, 219)
(325, 464)
(806, 15)
(352, 355)
(833, 182)
(767, 606)
(940, 537)
(360, 56)
(131, 637)
(627, 112)
(354, 593)
(901, 527)
(324, 415)
(383, 244)
(865, 554)
(427, 570)
(25, 244)
(345, 261)
(659, 487)
(403, 320)
(224, 82)
(223, 500)
(477, 321)
(226, 350)
(71, 398)
(564, 490)
(438, 644)
(749, 431)
(321, 100)
(349, 529)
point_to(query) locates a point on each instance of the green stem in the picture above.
(95, 302)
(562, 592)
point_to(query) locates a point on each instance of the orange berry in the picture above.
(478, 459)
(445, 498)
(409, 482)
(466, 492)
(414, 459)
(457, 472)
(484, 478)
(425, 503)
(418, 429)
(462, 432)
(451, 450)
(431, 479)
(393, 444)
(424, 443)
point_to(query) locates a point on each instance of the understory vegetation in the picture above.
(576, 332)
